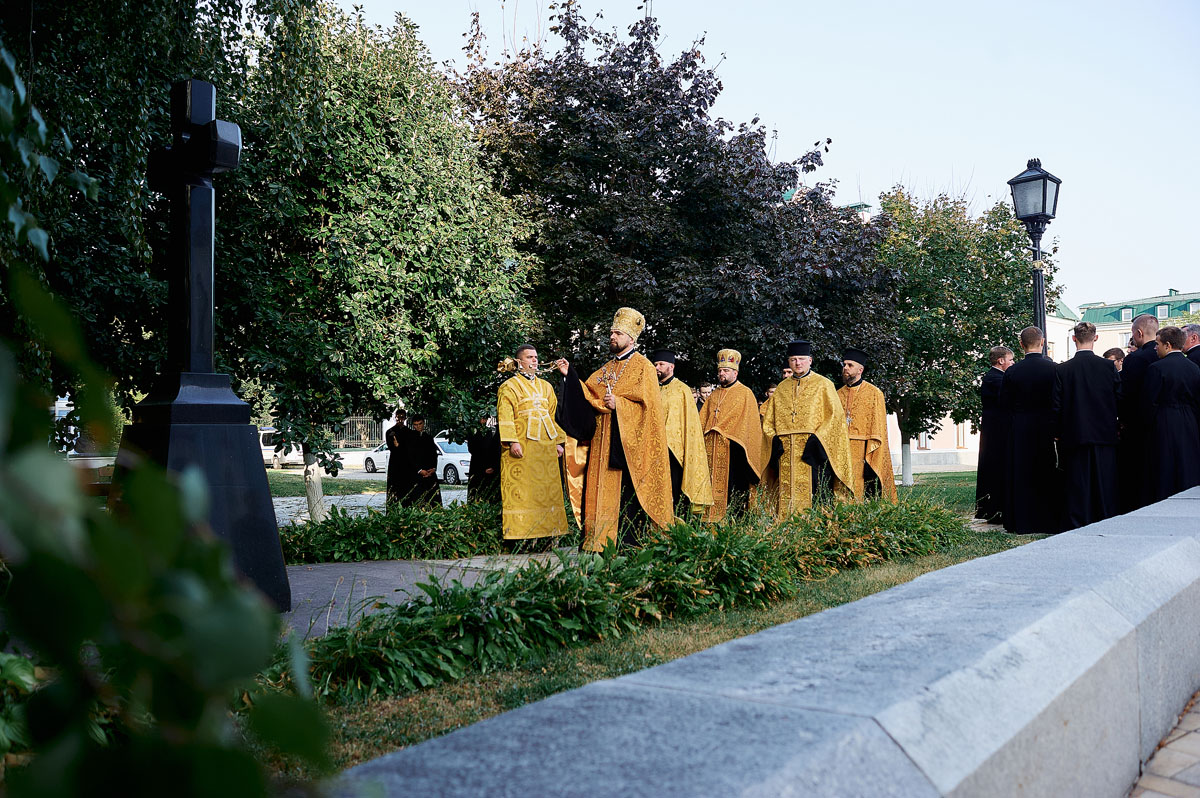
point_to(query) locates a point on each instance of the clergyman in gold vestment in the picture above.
(628, 452)
(531, 442)
(733, 438)
(685, 440)
(866, 423)
(806, 416)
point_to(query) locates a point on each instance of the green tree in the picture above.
(102, 70)
(365, 255)
(640, 197)
(965, 287)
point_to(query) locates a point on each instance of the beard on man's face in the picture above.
(614, 345)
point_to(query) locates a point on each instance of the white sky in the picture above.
(950, 96)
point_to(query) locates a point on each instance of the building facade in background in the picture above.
(1112, 318)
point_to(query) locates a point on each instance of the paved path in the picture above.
(1174, 770)
(332, 594)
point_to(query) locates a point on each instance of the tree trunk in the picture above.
(906, 474)
(312, 488)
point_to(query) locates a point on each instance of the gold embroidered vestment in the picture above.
(802, 407)
(531, 489)
(643, 437)
(866, 421)
(685, 439)
(731, 414)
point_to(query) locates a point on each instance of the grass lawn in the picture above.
(291, 483)
(364, 730)
(955, 489)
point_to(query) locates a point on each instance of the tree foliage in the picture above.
(103, 70)
(965, 287)
(365, 254)
(641, 197)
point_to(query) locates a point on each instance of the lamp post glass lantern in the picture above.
(1035, 202)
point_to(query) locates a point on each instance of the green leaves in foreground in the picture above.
(146, 628)
(573, 599)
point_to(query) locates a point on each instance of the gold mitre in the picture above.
(630, 322)
(729, 359)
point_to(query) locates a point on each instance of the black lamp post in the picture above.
(1035, 200)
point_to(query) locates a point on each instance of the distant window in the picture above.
(1050, 350)
(1125, 339)
(923, 440)
(962, 436)
(1161, 311)
(1126, 314)
(1194, 307)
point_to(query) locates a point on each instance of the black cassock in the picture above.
(993, 441)
(424, 456)
(400, 479)
(1132, 482)
(1087, 389)
(1193, 354)
(409, 452)
(1172, 399)
(484, 447)
(1032, 483)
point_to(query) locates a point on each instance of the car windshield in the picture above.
(449, 447)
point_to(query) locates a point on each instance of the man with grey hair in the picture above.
(1191, 342)
(1131, 457)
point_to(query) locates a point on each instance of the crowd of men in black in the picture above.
(1065, 445)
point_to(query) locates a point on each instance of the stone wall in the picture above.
(1052, 669)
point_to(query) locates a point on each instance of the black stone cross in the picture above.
(191, 417)
(201, 147)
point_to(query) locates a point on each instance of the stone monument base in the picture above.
(195, 419)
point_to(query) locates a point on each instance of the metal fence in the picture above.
(359, 432)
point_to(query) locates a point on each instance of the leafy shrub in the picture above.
(841, 536)
(737, 563)
(509, 617)
(403, 533)
(494, 623)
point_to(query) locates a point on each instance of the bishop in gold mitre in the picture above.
(806, 416)
(628, 478)
(685, 440)
(866, 423)
(733, 438)
(531, 491)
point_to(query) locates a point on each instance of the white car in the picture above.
(277, 459)
(454, 461)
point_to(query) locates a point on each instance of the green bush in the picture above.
(403, 533)
(494, 623)
(509, 617)
(697, 569)
(841, 536)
